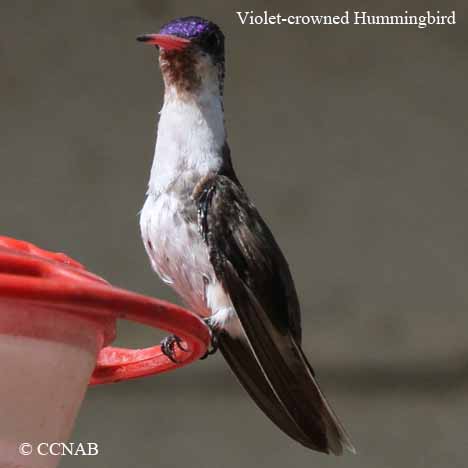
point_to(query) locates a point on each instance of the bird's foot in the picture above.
(214, 339)
(168, 347)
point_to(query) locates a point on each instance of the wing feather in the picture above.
(255, 275)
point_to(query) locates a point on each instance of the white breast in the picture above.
(189, 146)
(190, 138)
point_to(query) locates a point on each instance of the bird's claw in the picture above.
(214, 345)
(168, 347)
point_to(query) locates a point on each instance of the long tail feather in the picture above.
(290, 376)
(243, 363)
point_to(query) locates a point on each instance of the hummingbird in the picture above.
(207, 240)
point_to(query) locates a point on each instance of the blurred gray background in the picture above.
(351, 140)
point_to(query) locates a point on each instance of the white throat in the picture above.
(190, 137)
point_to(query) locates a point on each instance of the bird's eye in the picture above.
(212, 42)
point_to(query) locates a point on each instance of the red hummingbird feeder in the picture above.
(57, 321)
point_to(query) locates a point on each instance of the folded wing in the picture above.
(254, 273)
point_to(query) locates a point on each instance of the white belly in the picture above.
(176, 249)
(180, 257)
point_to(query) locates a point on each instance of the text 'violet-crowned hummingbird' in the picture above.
(207, 240)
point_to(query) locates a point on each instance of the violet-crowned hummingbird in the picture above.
(207, 240)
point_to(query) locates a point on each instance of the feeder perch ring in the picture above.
(54, 282)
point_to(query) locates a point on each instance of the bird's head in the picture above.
(191, 54)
